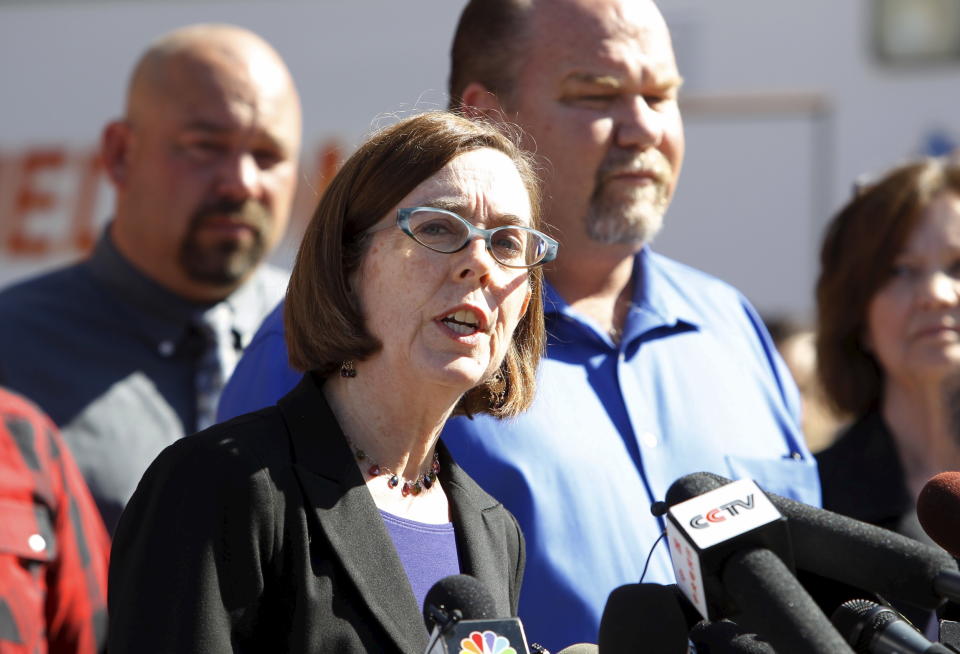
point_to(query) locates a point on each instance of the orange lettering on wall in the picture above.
(83, 232)
(30, 198)
(329, 158)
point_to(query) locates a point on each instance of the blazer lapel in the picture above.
(347, 515)
(482, 552)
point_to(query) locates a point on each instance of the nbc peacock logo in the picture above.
(486, 642)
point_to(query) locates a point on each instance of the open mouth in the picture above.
(463, 322)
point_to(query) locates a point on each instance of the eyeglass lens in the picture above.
(443, 232)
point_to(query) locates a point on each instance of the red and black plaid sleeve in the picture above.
(53, 545)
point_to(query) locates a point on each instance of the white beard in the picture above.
(621, 213)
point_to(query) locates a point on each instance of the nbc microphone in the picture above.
(459, 612)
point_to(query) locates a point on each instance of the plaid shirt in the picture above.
(53, 545)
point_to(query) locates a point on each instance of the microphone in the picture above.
(938, 506)
(723, 544)
(455, 598)
(850, 551)
(876, 629)
(460, 613)
(772, 603)
(576, 648)
(726, 637)
(644, 615)
(703, 531)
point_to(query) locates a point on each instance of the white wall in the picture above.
(757, 190)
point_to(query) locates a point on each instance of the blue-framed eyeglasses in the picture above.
(444, 231)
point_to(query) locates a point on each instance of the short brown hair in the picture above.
(856, 260)
(323, 321)
(486, 46)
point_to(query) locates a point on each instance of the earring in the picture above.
(347, 369)
(498, 387)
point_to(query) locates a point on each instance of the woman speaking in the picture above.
(319, 524)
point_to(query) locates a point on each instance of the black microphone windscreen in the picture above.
(693, 485)
(647, 615)
(864, 555)
(461, 592)
(870, 627)
(771, 602)
(841, 548)
(938, 508)
(725, 637)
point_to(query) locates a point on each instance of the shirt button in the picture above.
(797, 456)
(166, 348)
(37, 543)
(648, 439)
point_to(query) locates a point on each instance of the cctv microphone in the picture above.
(876, 629)
(938, 509)
(647, 616)
(731, 555)
(726, 637)
(460, 613)
(850, 551)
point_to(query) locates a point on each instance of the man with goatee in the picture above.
(128, 349)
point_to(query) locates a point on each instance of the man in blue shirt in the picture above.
(653, 369)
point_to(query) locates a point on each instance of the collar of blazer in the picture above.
(345, 510)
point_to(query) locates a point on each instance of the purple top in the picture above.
(428, 552)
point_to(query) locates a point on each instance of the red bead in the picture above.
(405, 489)
(374, 470)
(436, 466)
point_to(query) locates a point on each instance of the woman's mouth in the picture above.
(462, 321)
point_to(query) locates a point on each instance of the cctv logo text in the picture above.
(721, 513)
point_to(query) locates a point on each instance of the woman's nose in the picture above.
(939, 289)
(475, 261)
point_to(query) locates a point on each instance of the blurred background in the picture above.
(785, 104)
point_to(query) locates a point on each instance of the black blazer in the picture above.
(259, 535)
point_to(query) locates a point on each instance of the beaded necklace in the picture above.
(415, 487)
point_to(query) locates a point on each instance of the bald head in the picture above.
(210, 55)
(205, 160)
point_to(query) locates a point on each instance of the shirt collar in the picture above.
(657, 302)
(161, 315)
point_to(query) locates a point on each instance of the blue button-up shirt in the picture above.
(694, 384)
